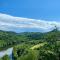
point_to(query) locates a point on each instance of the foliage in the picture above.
(32, 45)
(6, 57)
(23, 52)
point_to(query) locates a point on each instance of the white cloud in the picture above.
(12, 23)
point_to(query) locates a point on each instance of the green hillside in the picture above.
(32, 45)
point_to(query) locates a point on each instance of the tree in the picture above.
(6, 57)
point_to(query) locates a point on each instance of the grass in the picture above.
(38, 45)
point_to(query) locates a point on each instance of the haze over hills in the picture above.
(20, 24)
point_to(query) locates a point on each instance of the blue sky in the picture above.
(36, 9)
(29, 15)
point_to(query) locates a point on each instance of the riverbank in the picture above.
(7, 52)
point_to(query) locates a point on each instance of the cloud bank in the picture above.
(19, 24)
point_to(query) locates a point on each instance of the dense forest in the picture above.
(31, 45)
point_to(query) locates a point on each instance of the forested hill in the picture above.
(11, 38)
(6, 35)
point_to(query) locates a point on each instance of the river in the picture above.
(7, 52)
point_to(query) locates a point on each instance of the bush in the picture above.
(6, 57)
(23, 52)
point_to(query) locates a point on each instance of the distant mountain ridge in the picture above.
(8, 38)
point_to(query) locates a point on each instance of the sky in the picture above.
(36, 9)
(29, 15)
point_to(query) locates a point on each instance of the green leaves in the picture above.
(31, 45)
(6, 57)
(23, 52)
